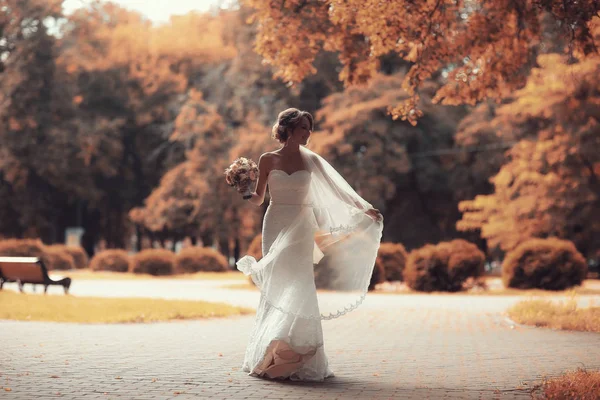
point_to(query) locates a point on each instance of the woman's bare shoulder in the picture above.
(267, 158)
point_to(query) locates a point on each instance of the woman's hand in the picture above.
(375, 214)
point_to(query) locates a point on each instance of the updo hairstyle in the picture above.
(287, 121)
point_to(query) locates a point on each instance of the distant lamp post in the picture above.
(73, 236)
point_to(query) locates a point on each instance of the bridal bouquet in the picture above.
(243, 171)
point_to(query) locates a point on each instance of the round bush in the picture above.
(391, 257)
(324, 275)
(79, 255)
(551, 264)
(329, 273)
(466, 260)
(154, 262)
(114, 260)
(443, 267)
(22, 248)
(195, 259)
(56, 258)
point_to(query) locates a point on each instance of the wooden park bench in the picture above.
(28, 270)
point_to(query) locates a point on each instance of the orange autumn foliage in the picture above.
(114, 260)
(155, 262)
(196, 259)
(481, 47)
(550, 184)
(443, 267)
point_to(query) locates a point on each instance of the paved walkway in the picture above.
(392, 347)
(211, 290)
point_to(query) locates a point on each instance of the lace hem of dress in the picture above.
(245, 265)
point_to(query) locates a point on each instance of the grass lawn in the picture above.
(68, 308)
(580, 384)
(558, 315)
(87, 274)
(240, 286)
(495, 288)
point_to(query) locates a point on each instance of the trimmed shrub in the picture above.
(324, 276)
(466, 260)
(391, 257)
(22, 248)
(328, 277)
(56, 258)
(154, 262)
(552, 264)
(443, 267)
(79, 255)
(115, 260)
(195, 259)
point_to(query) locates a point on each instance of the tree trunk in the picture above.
(138, 236)
(237, 249)
(207, 239)
(224, 248)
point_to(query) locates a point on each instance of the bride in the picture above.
(317, 233)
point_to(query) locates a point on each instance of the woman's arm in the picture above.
(264, 166)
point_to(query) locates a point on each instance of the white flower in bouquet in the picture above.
(242, 172)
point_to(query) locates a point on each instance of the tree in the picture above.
(178, 206)
(243, 87)
(100, 97)
(30, 106)
(175, 209)
(388, 162)
(135, 76)
(192, 198)
(482, 49)
(550, 185)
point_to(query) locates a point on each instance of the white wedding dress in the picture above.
(284, 345)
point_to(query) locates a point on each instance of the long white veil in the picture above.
(342, 238)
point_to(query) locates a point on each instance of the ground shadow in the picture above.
(356, 386)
